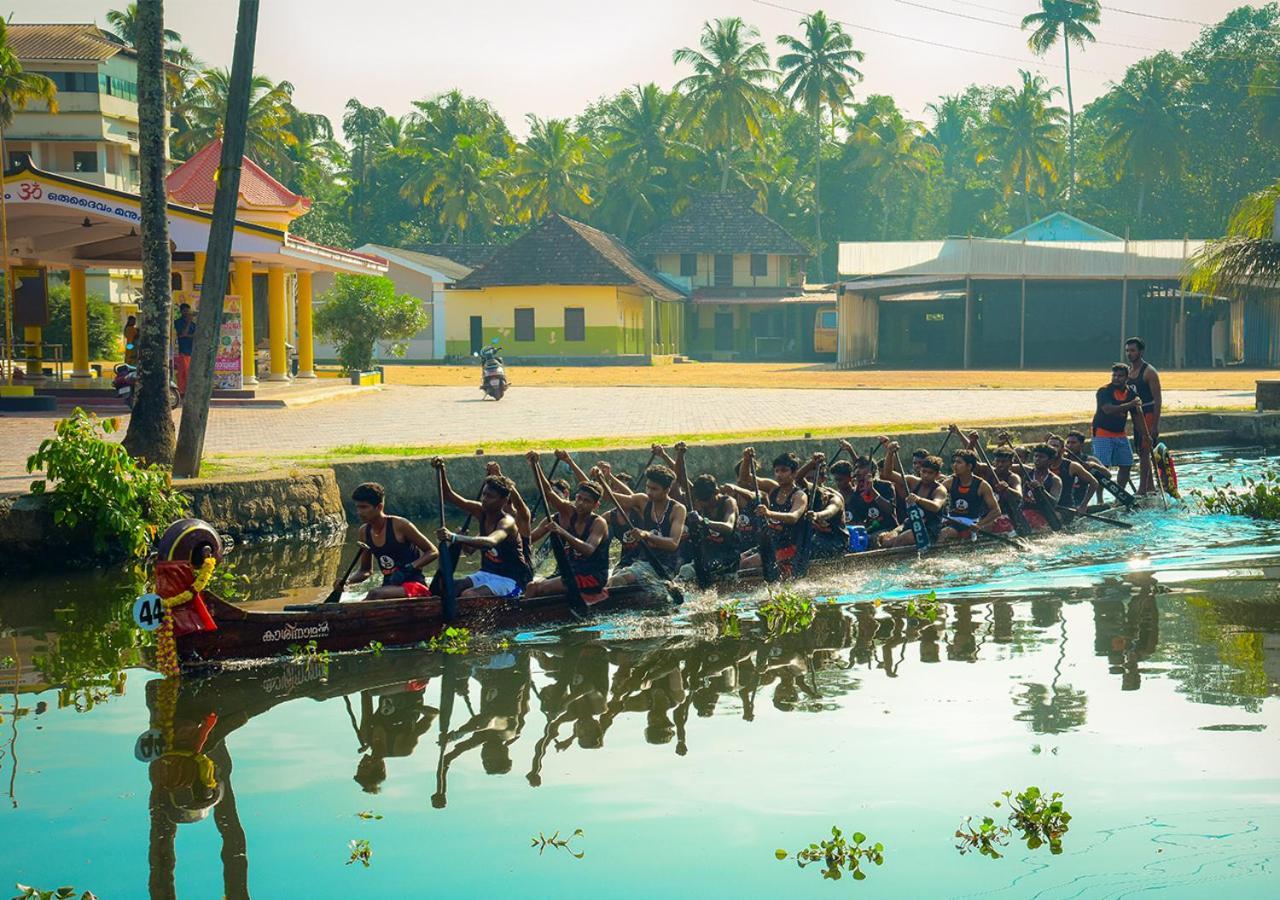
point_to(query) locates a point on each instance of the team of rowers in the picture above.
(677, 525)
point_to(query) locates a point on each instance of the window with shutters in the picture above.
(524, 325)
(689, 265)
(759, 265)
(575, 323)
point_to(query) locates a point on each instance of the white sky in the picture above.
(553, 57)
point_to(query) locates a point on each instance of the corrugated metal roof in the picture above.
(73, 43)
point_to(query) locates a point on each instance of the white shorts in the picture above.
(498, 585)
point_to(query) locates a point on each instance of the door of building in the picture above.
(477, 334)
(724, 332)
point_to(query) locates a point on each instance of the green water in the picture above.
(1134, 671)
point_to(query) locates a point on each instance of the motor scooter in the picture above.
(126, 386)
(493, 374)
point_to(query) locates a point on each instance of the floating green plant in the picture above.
(361, 852)
(838, 855)
(787, 611)
(555, 842)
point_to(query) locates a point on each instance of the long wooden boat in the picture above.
(253, 634)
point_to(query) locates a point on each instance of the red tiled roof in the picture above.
(193, 182)
(75, 42)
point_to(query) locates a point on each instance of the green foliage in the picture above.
(361, 852)
(1258, 497)
(104, 330)
(308, 652)
(985, 839)
(229, 584)
(363, 310)
(838, 855)
(451, 640)
(368, 815)
(66, 892)
(925, 607)
(555, 842)
(91, 646)
(730, 624)
(375, 647)
(1040, 818)
(787, 611)
(98, 486)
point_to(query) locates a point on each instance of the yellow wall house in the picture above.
(566, 290)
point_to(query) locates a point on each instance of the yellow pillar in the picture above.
(306, 341)
(199, 274)
(79, 326)
(244, 290)
(276, 325)
(32, 334)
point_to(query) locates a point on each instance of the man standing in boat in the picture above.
(1145, 381)
(1115, 403)
(504, 570)
(400, 550)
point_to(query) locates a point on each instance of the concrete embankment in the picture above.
(298, 502)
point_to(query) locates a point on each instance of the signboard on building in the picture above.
(30, 296)
(228, 374)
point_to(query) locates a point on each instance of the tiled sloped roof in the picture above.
(561, 250)
(470, 255)
(75, 42)
(193, 182)
(721, 223)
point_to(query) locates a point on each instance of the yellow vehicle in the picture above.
(825, 322)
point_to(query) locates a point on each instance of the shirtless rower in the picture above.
(924, 491)
(585, 535)
(830, 536)
(400, 550)
(1146, 384)
(504, 569)
(1077, 481)
(972, 504)
(661, 520)
(712, 519)
(784, 505)
(1116, 402)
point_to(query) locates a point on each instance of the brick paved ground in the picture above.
(418, 416)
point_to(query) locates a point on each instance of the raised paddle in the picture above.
(1043, 500)
(645, 549)
(541, 499)
(804, 540)
(336, 594)
(697, 531)
(915, 515)
(1104, 479)
(564, 567)
(764, 540)
(444, 569)
(1020, 523)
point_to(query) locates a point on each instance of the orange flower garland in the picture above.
(166, 647)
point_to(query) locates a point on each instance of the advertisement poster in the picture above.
(228, 372)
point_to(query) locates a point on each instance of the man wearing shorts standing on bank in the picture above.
(1115, 403)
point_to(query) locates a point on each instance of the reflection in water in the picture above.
(583, 688)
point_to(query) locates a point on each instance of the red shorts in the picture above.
(416, 589)
(591, 589)
(1002, 525)
(1036, 520)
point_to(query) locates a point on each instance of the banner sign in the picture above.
(228, 366)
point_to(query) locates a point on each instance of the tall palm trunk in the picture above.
(151, 433)
(1071, 123)
(817, 194)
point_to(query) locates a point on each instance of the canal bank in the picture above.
(298, 501)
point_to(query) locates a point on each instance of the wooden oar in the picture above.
(1020, 523)
(541, 499)
(804, 540)
(445, 568)
(1018, 544)
(697, 533)
(915, 515)
(447, 678)
(645, 549)
(1043, 501)
(1104, 479)
(1097, 518)
(336, 594)
(1140, 416)
(635, 482)
(764, 540)
(564, 567)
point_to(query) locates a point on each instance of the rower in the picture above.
(869, 502)
(924, 491)
(504, 570)
(712, 519)
(1076, 479)
(973, 505)
(662, 524)
(1145, 381)
(1116, 401)
(830, 536)
(585, 535)
(1074, 447)
(400, 550)
(785, 505)
(1040, 478)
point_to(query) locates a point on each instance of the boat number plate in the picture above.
(148, 611)
(149, 746)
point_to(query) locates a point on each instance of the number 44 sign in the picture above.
(148, 612)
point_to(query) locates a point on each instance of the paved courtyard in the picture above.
(443, 416)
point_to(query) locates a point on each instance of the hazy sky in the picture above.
(553, 58)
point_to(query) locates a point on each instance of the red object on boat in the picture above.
(173, 577)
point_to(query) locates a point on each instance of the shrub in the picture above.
(362, 310)
(97, 484)
(104, 330)
(1257, 497)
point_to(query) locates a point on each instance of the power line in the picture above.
(1146, 15)
(960, 15)
(939, 44)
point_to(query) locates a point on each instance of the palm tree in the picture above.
(463, 187)
(361, 126)
(951, 131)
(818, 75)
(1248, 256)
(550, 169)
(892, 149)
(1070, 21)
(268, 139)
(124, 26)
(1264, 97)
(1024, 134)
(641, 130)
(728, 92)
(183, 66)
(1146, 120)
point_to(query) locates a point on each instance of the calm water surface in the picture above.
(1134, 671)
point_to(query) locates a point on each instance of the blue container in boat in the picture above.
(858, 540)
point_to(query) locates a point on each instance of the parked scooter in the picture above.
(126, 386)
(493, 375)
